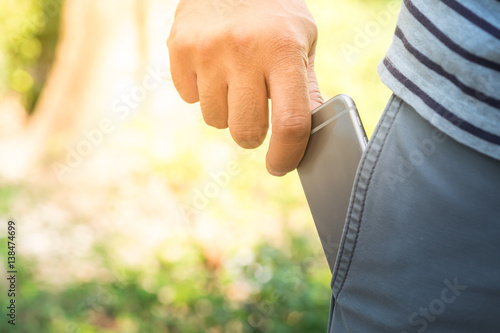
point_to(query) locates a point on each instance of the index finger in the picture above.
(290, 117)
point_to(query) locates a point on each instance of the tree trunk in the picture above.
(76, 92)
(102, 45)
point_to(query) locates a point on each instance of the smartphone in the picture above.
(329, 166)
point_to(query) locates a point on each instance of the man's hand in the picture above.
(232, 55)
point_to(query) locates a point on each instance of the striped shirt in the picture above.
(444, 61)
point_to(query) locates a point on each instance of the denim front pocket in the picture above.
(358, 196)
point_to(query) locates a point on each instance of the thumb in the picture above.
(315, 97)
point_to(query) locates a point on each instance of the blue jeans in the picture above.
(421, 245)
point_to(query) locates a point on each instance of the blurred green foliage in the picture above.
(27, 46)
(286, 294)
(269, 289)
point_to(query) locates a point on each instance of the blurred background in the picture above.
(132, 215)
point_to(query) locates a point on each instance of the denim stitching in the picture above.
(365, 195)
(349, 213)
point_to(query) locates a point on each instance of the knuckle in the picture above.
(213, 115)
(178, 44)
(171, 38)
(187, 92)
(292, 128)
(286, 45)
(188, 96)
(287, 59)
(285, 39)
(205, 47)
(206, 51)
(240, 41)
